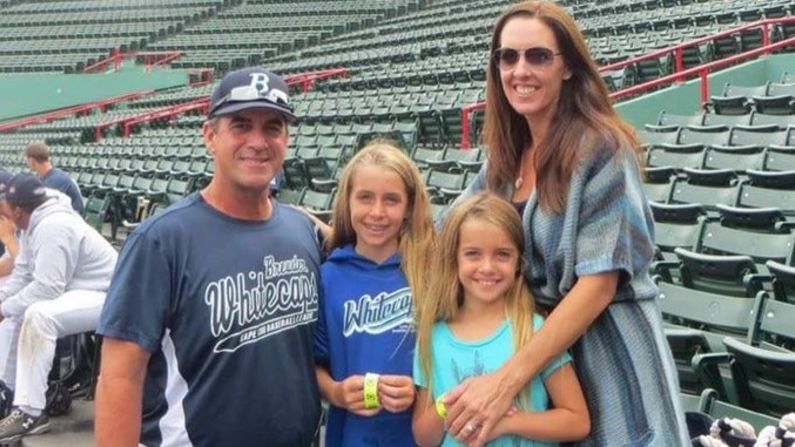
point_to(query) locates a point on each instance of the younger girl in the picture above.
(382, 232)
(476, 312)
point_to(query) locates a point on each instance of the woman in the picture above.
(559, 152)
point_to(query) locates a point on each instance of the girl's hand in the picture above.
(475, 406)
(350, 396)
(7, 229)
(396, 393)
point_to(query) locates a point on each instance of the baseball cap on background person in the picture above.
(250, 88)
(24, 188)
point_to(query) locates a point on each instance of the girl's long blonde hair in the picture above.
(417, 234)
(442, 298)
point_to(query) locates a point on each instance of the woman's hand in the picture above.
(500, 429)
(476, 406)
(324, 228)
(396, 393)
(349, 394)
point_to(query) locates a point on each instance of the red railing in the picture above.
(72, 111)
(305, 80)
(204, 75)
(128, 122)
(702, 71)
(680, 73)
(150, 59)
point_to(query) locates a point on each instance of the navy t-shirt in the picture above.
(59, 180)
(227, 309)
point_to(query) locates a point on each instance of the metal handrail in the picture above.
(680, 73)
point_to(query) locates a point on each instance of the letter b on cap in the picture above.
(260, 82)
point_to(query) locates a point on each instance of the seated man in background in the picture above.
(37, 156)
(8, 239)
(57, 288)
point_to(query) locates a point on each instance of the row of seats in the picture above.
(669, 122)
(713, 188)
(720, 135)
(726, 291)
(722, 192)
(66, 37)
(769, 98)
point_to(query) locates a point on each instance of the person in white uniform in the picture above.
(57, 288)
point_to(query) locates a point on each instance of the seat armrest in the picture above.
(707, 369)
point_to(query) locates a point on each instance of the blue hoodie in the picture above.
(365, 325)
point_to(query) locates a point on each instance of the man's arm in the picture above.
(55, 249)
(120, 393)
(6, 265)
(19, 277)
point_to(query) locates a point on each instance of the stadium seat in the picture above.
(698, 322)
(709, 188)
(763, 368)
(765, 189)
(717, 408)
(676, 226)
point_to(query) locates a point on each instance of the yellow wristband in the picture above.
(441, 409)
(371, 391)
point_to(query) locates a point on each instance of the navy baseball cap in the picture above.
(250, 88)
(24, 188)
(5, 179)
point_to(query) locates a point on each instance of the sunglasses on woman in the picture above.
(507, 58)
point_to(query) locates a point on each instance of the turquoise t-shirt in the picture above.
(454, 361)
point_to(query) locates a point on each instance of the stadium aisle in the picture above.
(75, 429)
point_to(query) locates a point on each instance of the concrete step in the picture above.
(74, 429)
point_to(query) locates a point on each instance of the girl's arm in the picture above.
(348, 394)
(484, 400)
(427, 426)
(567, 421)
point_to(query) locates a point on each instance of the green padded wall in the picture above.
(29, 93)
(685, 99)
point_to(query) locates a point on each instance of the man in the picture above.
(8, 239)
(56, 289)
(37, 155)
(209, 318)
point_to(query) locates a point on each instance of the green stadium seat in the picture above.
(318, 203)
(717, 408)
(763, 368)
(697, 323)
(658, 182)
(709, 188)
(768, 190)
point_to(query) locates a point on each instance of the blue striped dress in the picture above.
(623, 360)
